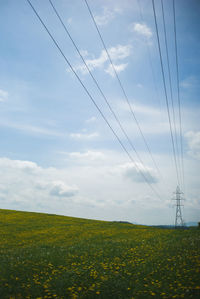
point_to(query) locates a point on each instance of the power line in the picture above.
(92, 99)
(179, 103)
(148, 51)
(170, 83)
(97, 84)
(151, 67)
(150, 63)
(122, 88)
(165, 91)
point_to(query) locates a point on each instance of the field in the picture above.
(49, 256)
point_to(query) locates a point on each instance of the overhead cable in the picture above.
(179, 102)
(165, 91)
(170, 85)
(98, 86)
(92, 99)
(122, 88)
(150, 63)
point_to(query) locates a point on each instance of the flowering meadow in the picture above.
(49, 256)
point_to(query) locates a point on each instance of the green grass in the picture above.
(49, 256)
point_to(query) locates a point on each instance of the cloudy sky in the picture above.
(57, 153)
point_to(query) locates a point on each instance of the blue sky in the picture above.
(57, 154)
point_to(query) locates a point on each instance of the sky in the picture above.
(57, 153)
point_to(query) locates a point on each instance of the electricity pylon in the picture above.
(179, 219)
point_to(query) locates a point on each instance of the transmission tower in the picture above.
(179, 219)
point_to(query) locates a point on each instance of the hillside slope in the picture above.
(50, 256)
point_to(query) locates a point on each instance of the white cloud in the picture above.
(26, 182)
(141, 29)
(189, 82)
(92, 63)
(144, 109)
(118, 68)
(117, 53)
(91, 119)
(193, 139)
(60, 189)
(31, 129)
(24, 166)
(97, 62)
(84, 135)
(84, 53)
(152, 119)
(3, 95)
(89, 155)
(137, 173)
(107, 16)
(108, 191)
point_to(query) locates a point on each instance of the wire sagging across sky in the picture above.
(171, 92)
(178, 89)
(122, 88)
(165, 92)
(92, 99)
(98, 86)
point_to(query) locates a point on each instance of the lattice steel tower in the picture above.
(179, 219)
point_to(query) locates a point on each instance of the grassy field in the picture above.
(49, 256)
